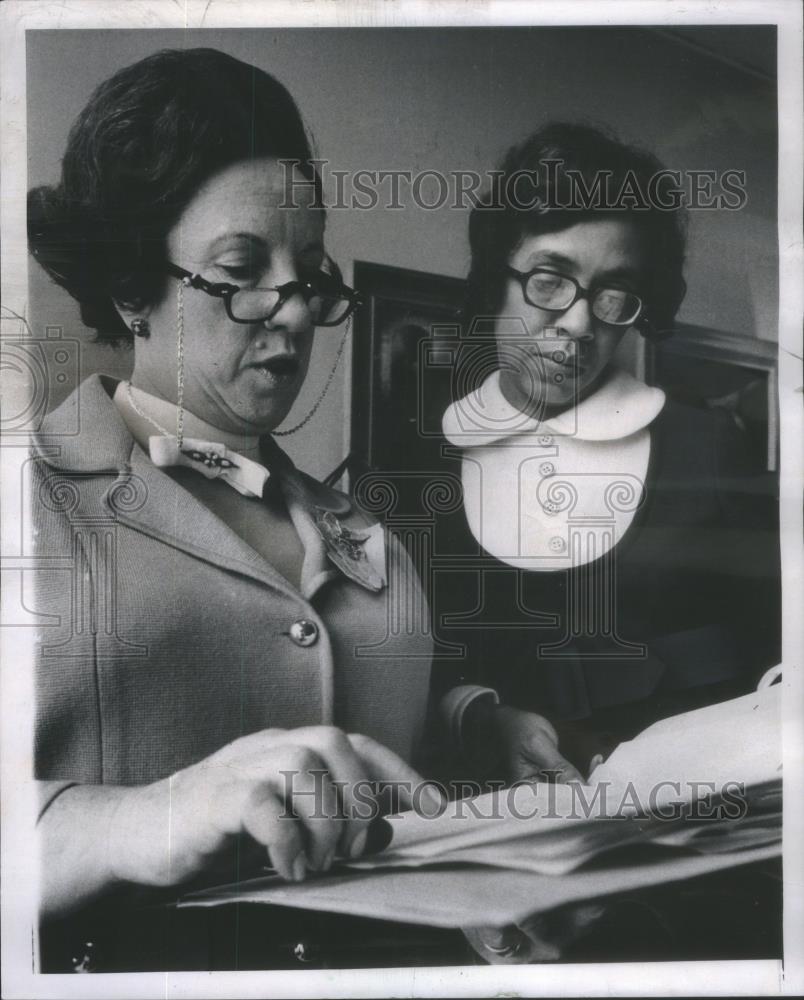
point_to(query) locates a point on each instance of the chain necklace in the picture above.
(179, 382)
(133, 404)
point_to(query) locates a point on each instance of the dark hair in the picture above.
(562, 164)
(136, 155)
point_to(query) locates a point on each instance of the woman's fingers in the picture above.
(542, 938)
(311, 797)
(357, 766)
(497, 945)
(264, 817)
(541, 761)
(284, 799)
(530, 744)
(386, 767)
(343, 796)
(306, 795)
(536, 756)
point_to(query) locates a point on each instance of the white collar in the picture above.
(216, 454)
(621, 406)
(164, 414)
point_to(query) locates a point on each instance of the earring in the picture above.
(139, 327)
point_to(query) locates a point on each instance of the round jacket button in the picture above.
(304, 632)
(545, 440)
(550, 508)
(557, 544)
(547, 468)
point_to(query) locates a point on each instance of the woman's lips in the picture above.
(281, 369)
(558, 370)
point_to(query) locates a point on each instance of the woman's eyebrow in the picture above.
(225, 238)
(560, 260)
(549, 257)
(256, 243)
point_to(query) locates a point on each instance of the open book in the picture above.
(691, 794)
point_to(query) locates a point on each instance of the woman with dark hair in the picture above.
(632, 573)
(626, 573)
(222, 642)
(565, 174)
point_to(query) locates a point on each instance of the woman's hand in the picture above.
(302, 794)
(530, 747)
(524, 744)
(542, 938)
(527, 746)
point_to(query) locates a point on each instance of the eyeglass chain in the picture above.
(313, 409)
(180, 379)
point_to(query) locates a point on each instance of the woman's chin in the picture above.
(261, 411)
(540, 397)
(253, 417)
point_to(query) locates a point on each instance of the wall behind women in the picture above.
(447, 100)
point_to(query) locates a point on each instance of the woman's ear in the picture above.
(135, 316)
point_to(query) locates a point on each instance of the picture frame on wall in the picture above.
(727, 370)
(403, 311)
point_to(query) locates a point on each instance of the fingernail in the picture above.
(358, 845)
(329, 857)
(299, 867)
(436, 799)
(380, 834)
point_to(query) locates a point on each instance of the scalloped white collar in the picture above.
(621, 406)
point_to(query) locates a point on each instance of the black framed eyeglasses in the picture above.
(325, 295)
(554, 292)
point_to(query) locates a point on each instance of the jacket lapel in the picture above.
(174, 516)
(161, 508)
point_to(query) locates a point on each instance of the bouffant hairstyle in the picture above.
(564, 174)
(136, 155)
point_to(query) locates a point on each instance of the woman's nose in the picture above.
(293, 314)
(577, 322)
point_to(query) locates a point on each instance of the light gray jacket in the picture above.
(168, 636)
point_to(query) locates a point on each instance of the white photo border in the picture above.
(18, 868)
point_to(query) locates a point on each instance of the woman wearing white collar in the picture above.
(634, 583)
(525, 486)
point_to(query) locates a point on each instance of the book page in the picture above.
(734, 741)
